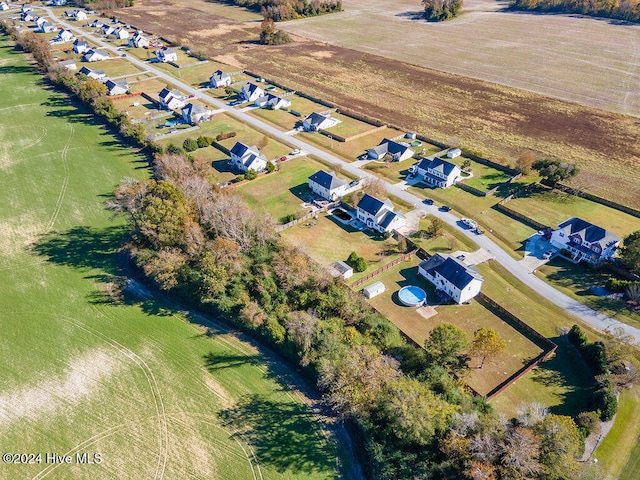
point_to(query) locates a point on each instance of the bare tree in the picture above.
(375, 187)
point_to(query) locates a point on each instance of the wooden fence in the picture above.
(309, 215)
(384, 268)
(501, 207)
(126, 95)
(468, 188)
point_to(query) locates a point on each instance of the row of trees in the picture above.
(280, 10)
(622, 9)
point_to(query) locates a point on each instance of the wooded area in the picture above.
(280, 10)
(622, 9)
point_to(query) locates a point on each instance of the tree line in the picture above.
(413, 415)
(280, 10)
(621, 9)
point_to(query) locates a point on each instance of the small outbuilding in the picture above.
(373, 290)
(454, 152)
(342, 270)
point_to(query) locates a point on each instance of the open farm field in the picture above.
(582, 60)
(90, 366)
(495, 121)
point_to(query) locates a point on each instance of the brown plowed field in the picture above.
(489, 119)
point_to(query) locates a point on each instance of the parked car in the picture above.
(445, 208)
(283, 159)
(467, 222)
(295, 151)
(428, 201)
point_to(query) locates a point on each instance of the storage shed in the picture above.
(373, 290)
(343, 270)
(454, 152)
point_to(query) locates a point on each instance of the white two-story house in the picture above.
(379, 215)
(438, 172)
(251, 92)
(585, 241)
(246, 158)
(450, 276)
(327, 185)
(220, 79)
(171, 99)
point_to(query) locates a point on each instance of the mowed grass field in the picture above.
(157, 392)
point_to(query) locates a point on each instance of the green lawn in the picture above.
(467, 317)
(552, 208)
(117, 67)
(149, 387)
(281, 193)
(484, 178)
(577, 280)
(349, 126)
(328, 241)
(450, 240)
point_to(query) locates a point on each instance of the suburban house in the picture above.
(138, 40)
(79, 15)
(318, 121)
(248, 158)
(219, 79)
(195, 114)
(120, 33)
(95, 74)
(27, 16)
(379, 215)
(251, 92)
(451, 277)
(107, 29)
(171, 99)
(438, 172)
(272, 101)
(65, 36)
(4, 6)
(327, 185)
(40, 21)
(585, 241)
(117, 88)
(167, 54)
(26, 8)
(95, 24)
(454, 152)
(398, 151)
(69, 65)
(47, 27)
(94, 55)
(80, 47)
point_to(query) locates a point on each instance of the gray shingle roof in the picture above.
(452, 269)
(327, 180)
(588, 231)
(438, 165)
(371, 205)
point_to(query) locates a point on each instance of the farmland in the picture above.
(92, 367)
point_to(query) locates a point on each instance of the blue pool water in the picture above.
(412, 296)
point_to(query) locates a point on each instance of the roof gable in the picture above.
(372, 205)
(327, 180)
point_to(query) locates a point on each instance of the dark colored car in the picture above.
(427, 201)
(445, 208)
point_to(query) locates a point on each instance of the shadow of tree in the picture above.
(283, 435)
(215, 362)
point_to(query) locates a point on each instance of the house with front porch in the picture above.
(397, 151)
(220, 79)
(438, 172)
(251, 92)
(171, 99)
(451, 277)
(318, 121)
(585, 241)
(328, 185)
(195, 114)
(167, 54)
(379, 215)
(272, 102)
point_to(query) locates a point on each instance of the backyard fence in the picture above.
(470, 189)
(126, 95)
(309, 215)
(594, 198)
(340, 138)
(301, 94)
(384, 268)
(501, 207)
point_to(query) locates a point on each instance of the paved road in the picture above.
(519, 270)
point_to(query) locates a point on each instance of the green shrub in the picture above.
(606, 403)
(174, 149)
(360, 265)
(203, 142)
(190, 145)
(270, 167)
(250, 175)
(617, 285)
(577, 336)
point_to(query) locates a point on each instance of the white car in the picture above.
(296, 151)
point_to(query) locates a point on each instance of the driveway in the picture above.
(515, 267)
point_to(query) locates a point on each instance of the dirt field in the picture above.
(489, 119)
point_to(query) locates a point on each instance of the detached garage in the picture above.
(373, 290)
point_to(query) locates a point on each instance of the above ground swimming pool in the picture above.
(412, 296)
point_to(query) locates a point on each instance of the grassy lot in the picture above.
(484, 177)
(350, 151)
(577, 280)
(144, 110)
(118, 67)
(349, 126)
(224, 123)
(552, 208)
(281, 193)
(286, 120)
(151, 86)
(394, 172)
(450, 237)
(625, 431)
(132, 378)
(468, 317)
(329, 240)
(228, 11)
(509, 233)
